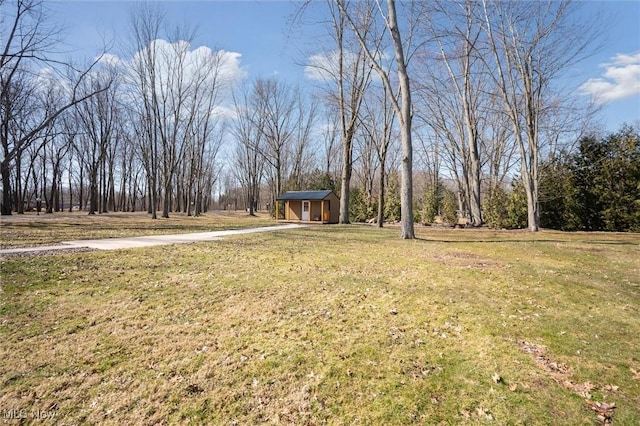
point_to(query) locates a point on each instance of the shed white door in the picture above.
(306, 214)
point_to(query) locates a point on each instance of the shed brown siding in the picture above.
(323, 209)
(293, 210)
(334, 211)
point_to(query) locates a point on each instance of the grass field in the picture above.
(28, 230)
(324, 325)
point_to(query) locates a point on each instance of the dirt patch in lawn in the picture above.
(560, 373)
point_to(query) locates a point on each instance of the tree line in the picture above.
(454, 109)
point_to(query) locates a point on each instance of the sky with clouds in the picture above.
(259, 40)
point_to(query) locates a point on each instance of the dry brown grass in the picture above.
(329, 325)
(31, 229)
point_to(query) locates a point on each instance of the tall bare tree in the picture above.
(27, 44)
(344, 73)
(378, 124)
(306, 108)
(275, 102)
(97, 118)
(146, 23)
(58, 142)
(530, 45)
(455, 84)
(249, 148)
(372, 43)
(330, 144)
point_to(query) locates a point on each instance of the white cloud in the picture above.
(621, 79)
(322, 66)
(231, 70)
(220, 67)
(109, 59)
(220, 111)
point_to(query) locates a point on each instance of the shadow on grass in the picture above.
(507, 240)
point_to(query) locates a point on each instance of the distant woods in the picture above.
(442, 111)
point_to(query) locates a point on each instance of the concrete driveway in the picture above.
(147, 241)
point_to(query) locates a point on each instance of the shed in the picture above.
(310, 206)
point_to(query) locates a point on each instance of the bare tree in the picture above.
(97, 118)
(400, 99)
(530, 44)
(249, 148)
(55, 151)
(344, 72)
(275, 102)
(205, 130)
(27, 43)
(21, 107)
(455, 84)
(330, 143)
(144, 102)
(498, 147)
(379, 127)
(366, 165)
(305, 114)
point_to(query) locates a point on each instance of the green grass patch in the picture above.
(329, 325)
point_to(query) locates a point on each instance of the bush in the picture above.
(517, 207)
(392, 201)
(495, 208)
(430, 203)
(358, 209)
(448, 207)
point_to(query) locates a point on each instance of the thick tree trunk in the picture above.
(6, 192)
(166, 204)
(381, 189)
(533, 213)
(474, 189)
(345, 190)
(406, 189)
(93, 193)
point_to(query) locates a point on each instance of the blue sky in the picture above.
(260, 32)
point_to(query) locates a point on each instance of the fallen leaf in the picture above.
(636, 374)
(582, 389)
(436, 399)
(483, 413)
(604, 410)
(496, 378)
(611, 388)
(513, 387)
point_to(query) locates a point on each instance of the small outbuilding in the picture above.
(310, 206)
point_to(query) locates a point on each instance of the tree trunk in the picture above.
(93, 193)
(474, 186)
(166, 204)
(347, 152)
(6, 193)
(533, 213)
(406, 115)
(381, 189)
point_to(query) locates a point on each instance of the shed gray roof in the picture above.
(304, 195)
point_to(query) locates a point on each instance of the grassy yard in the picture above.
(329, 325)
(30, 229)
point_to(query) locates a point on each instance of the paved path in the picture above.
(151, 240)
